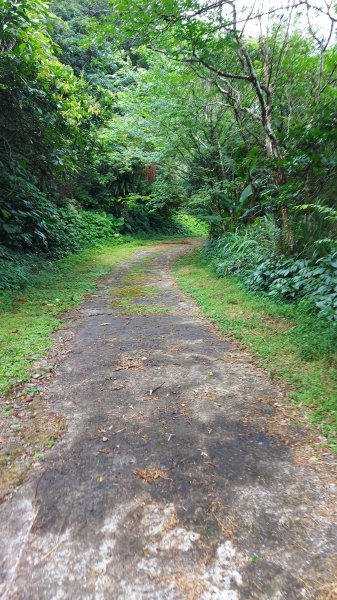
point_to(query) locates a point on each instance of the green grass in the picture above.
(127, 307)
(27, 320)
(294, 346)
(126, 297)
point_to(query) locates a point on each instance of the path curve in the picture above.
(169, 483)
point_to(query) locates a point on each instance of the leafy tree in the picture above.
(46, 113)
(91, 56)
(280, 115)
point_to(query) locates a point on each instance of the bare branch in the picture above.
(218, 72)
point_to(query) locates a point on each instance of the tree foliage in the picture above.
(46, 116)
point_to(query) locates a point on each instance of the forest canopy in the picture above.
(115, 115)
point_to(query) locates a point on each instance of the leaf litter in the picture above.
(150, 474)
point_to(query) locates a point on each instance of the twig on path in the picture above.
(135, 366)
(51, 551)
(38, 483)
(156, 388)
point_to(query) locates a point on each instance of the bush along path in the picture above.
(183, 472)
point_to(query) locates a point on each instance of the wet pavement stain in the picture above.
(162, 488)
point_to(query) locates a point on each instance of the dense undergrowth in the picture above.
(75, 230)
(290, 343)
(252, 255)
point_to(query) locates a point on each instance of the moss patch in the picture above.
(129, 298)
(133, 292)
(135, 277)
(125, 307)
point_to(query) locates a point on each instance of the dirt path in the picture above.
(173, 480)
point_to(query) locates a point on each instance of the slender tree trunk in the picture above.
(273, 151)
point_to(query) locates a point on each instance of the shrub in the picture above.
(16, 268)
(69, 230)
(294, 280)
(240, 251)
(251, 255)
(190, 225)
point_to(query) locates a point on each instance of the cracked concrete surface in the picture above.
(228, 514)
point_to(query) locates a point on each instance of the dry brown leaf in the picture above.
(26, 398)
(151, 474)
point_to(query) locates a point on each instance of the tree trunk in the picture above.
(273, 151)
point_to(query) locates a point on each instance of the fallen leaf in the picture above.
(26, 398)
(101, 478)
(105, 450)
(151, 474)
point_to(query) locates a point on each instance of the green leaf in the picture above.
(247, 192)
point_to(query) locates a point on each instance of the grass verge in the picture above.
(296, 347)
(28, 320)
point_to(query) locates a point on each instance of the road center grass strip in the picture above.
(298, 348)
(28, 320)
